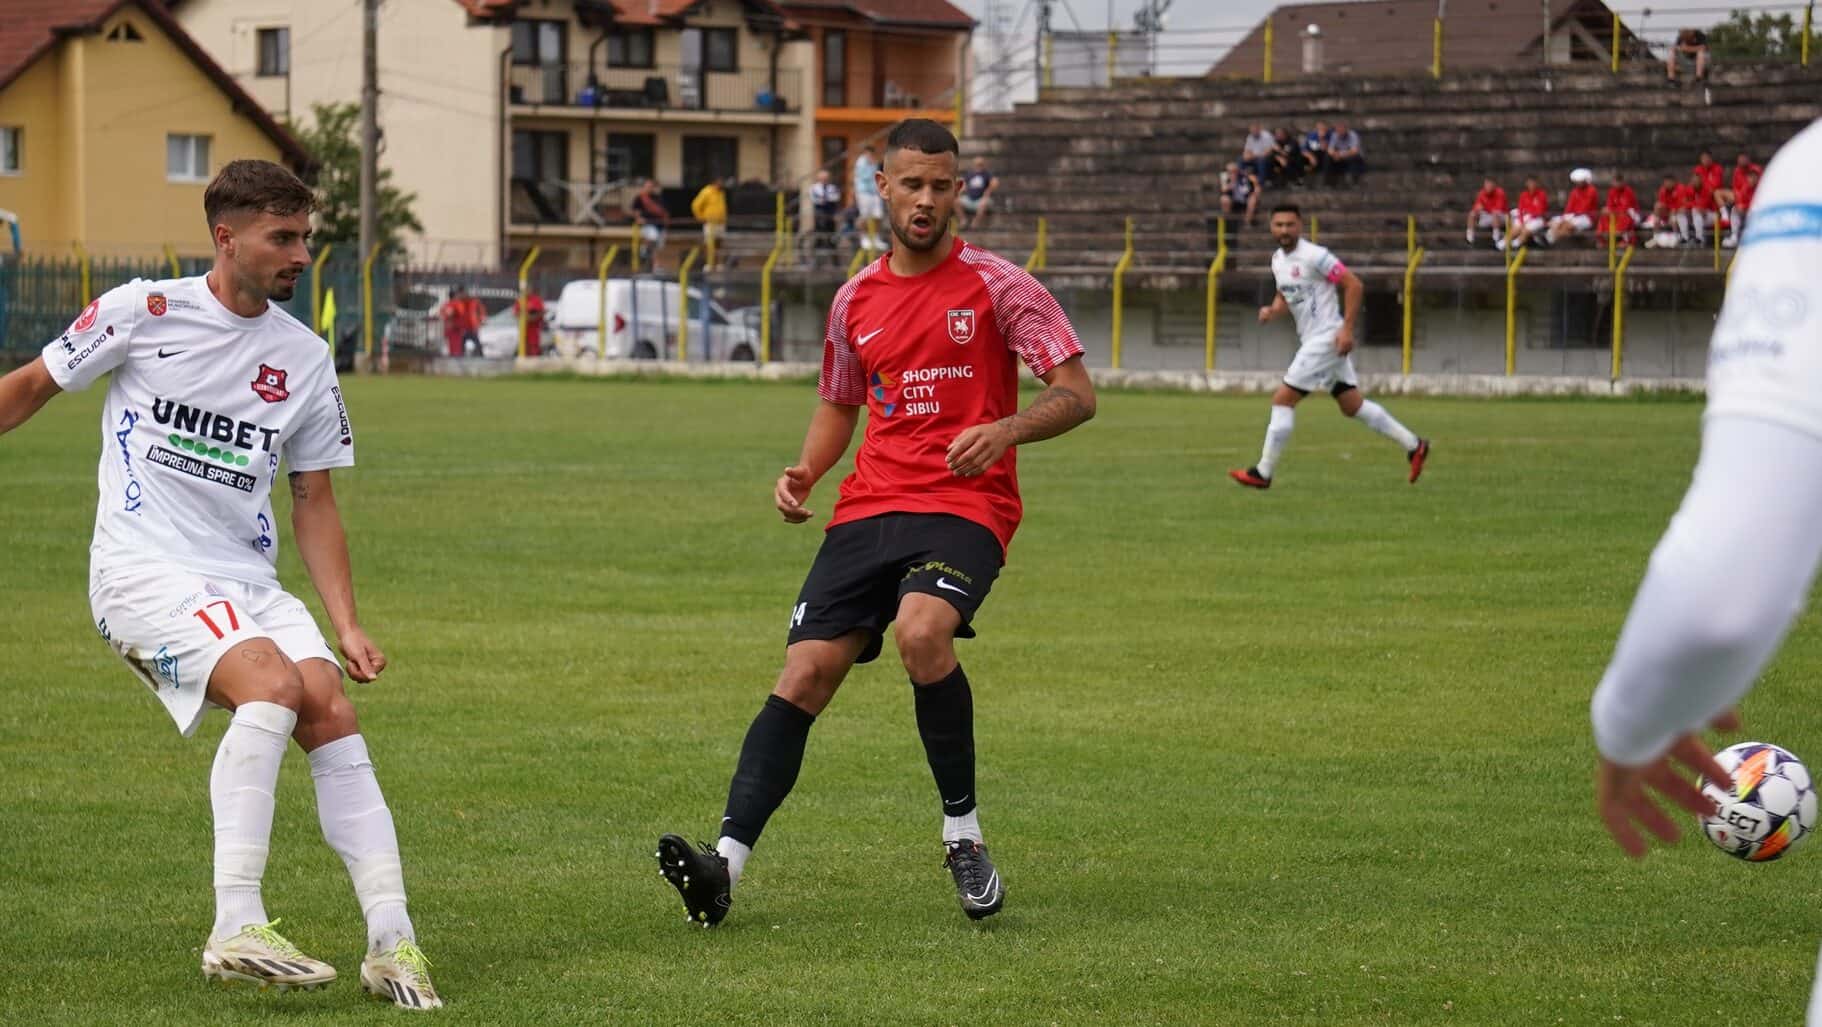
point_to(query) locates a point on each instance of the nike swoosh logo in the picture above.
(944, 583)
(957, 802)
(993, 885)
(863, 340)
(173, 353)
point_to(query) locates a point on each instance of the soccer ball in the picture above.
(1770, 807)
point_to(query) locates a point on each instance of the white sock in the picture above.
(358, 826)
(241, 787)
(736, 854)
(1277, 433)
(968, 826)
(1375, 417)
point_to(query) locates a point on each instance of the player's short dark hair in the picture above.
(1288, 208)
(922, 135)
(253, 187)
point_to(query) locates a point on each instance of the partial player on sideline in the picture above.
(213, 388)
(928, 340)
(1737, 563)
(1308, 278)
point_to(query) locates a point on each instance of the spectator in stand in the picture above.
(1695, 209)
(1621, 213)
(1345, 156)
(1662, 223)
(1489, 211)
(1256, 155)
(1691, 45)
(652, 218)
(1239, 192)
(825, 207)
(1528, 217)
(977, 192)
(1287, 158)
(1727, 198)
(711, 208)
(1579, 208)
(1316, 151)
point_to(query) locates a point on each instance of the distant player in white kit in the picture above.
(1737, 563)
(213, 388)
(1323, 297)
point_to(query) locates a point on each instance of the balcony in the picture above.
(582, 91)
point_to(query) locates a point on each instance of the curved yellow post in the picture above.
(1717, 242)
(854, 263)
(1267, 69)
(1119, 294)
(524, 272)
(683, 303)
(316, 289)
(367, 300)
(1619, 311)
(765, 301)
(1613, 241)
(1436, 49)
(82, 264)
(872, 227)
(1038, 253)
(1512, 311)
(1215, 267)
(1410, 235)
(1410, 301)
(170, 256)
(607, 261)
(1615, 60)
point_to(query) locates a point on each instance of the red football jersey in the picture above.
(1743, 195)
(1740, 173)
(1667, 196)
(1533, 203)
(1622, 198)
(1583, 199)
(1491, 201)
(930, 356)
(1711, 175)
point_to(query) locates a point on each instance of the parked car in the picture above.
(642, 323)
(500, 333)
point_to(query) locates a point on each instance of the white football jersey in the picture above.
(1765, 359)
(203, 407)
(1307, 277)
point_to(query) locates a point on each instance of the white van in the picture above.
(642, 323)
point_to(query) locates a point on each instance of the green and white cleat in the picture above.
(260, 955)
(400, 976)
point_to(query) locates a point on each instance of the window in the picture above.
(834, 69)
(12, 147)
(540, 166)
(537, 43)
(709, 159)
(124, 33)
(274, 52)
(631, 156)
(186, 158)
(721, 49)
(630, 48)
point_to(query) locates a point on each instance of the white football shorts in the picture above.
(1318, 368)
(171, 626)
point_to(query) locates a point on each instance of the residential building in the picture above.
(527, 122)
(112, 122)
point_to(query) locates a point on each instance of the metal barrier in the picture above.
(1119, 293)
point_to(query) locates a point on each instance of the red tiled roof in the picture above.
(626, 12)
(32, 28)
(891, 12)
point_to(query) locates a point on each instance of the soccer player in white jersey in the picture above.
(213, 388)
(1737, 562)
(1323, 298)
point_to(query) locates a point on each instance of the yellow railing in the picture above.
(1410, 304)
(607, 261)
(1614, 60)
(367, 300)
(1039, 252)
(316, 290)
(1267, 69)
(1809, 11)
(1119, 294)
(1619, 310)
(524, 291)
(1436, 49)
(1512, 270)
(1215, 267)
(170, 256)
(683, 300)
(82, 261)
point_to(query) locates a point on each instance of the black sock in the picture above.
(945, 720)
(770, 758)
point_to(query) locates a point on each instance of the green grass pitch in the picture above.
(1313, 756)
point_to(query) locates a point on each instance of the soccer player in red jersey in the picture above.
(1622, 209)
(928, 339)
(1695, 208)
(1528, 216)
(1488, 211)
(1578, 208)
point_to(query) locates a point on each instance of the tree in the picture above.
(1778, 37)
(333, 140)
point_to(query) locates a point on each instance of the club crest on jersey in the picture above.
(155, 304)
(1296, 272)
(961, 326)
(86, 320)
(269, 385)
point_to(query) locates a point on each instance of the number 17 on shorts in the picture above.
(170, 628)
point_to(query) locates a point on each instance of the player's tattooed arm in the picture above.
(24, 392)
(300, 487)
(1067, 401)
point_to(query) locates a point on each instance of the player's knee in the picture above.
(926, 648)
(806, 683)
(283, 687)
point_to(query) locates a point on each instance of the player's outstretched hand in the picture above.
(1623, 794)
(792, 489)
(978, 448)
(365, 661)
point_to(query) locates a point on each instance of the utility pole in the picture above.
(370, 126)
(1041, 55)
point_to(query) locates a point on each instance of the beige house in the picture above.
(525, 122)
